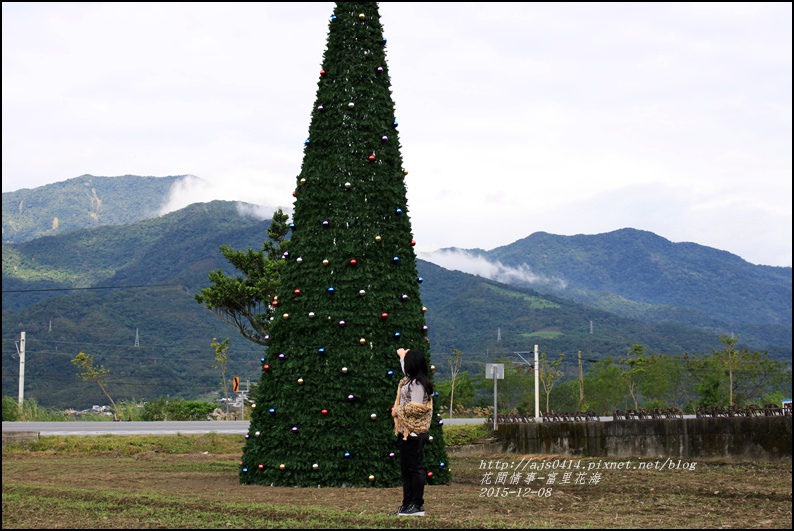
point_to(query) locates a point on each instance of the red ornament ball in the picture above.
(322, 72)
(413, 242)
(371, 158)
(324, 412)
(353, 262)
(430, 474)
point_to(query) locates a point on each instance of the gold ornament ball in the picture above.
(363, 341)
(303, 180)
(371, 477)
(311, 315)
(285, 316)
(373, 416)
(424, 309)
(315, 466)
(362, 16)
(432, 368)
(300, 381)
(325, 262)
(282, 466)
(344, 370)
(377, 238)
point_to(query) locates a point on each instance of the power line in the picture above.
(94, 287)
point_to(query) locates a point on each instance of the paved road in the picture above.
(239, 427)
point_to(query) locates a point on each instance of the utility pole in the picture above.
(536, 370)
(581, 382)
(537, 386)
(21, 348)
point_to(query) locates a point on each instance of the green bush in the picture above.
(465, 434)
(10, 409)
(176, 409)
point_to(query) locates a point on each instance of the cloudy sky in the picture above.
(515, 118)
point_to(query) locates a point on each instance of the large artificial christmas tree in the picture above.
(349, 294)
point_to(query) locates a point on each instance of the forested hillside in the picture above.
(96, 289)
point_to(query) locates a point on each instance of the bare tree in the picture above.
(635, 363)
(731, 359)
(550, 374)
(221, 360)
(94, 374)
(454, 368)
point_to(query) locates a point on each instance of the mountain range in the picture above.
(89, 265)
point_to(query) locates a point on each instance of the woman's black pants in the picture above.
(412, 456)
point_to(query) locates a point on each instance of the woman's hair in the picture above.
(415, 366)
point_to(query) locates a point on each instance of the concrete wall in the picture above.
(765, 438)
(20, 437)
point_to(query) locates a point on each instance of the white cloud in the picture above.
(466, 262)
(567, 118)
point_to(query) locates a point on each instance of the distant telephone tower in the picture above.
(137, 343)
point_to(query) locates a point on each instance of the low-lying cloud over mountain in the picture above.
(474, 264)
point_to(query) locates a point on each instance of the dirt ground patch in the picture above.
(486, 492)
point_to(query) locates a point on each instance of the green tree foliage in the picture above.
(739, 375)
(601, 387)
(348, 294)
(514, 393)
(464, 392)
(246, 301)
(665, 381)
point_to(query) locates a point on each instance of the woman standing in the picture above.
(413, 412)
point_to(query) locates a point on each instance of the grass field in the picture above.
(190, 481)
